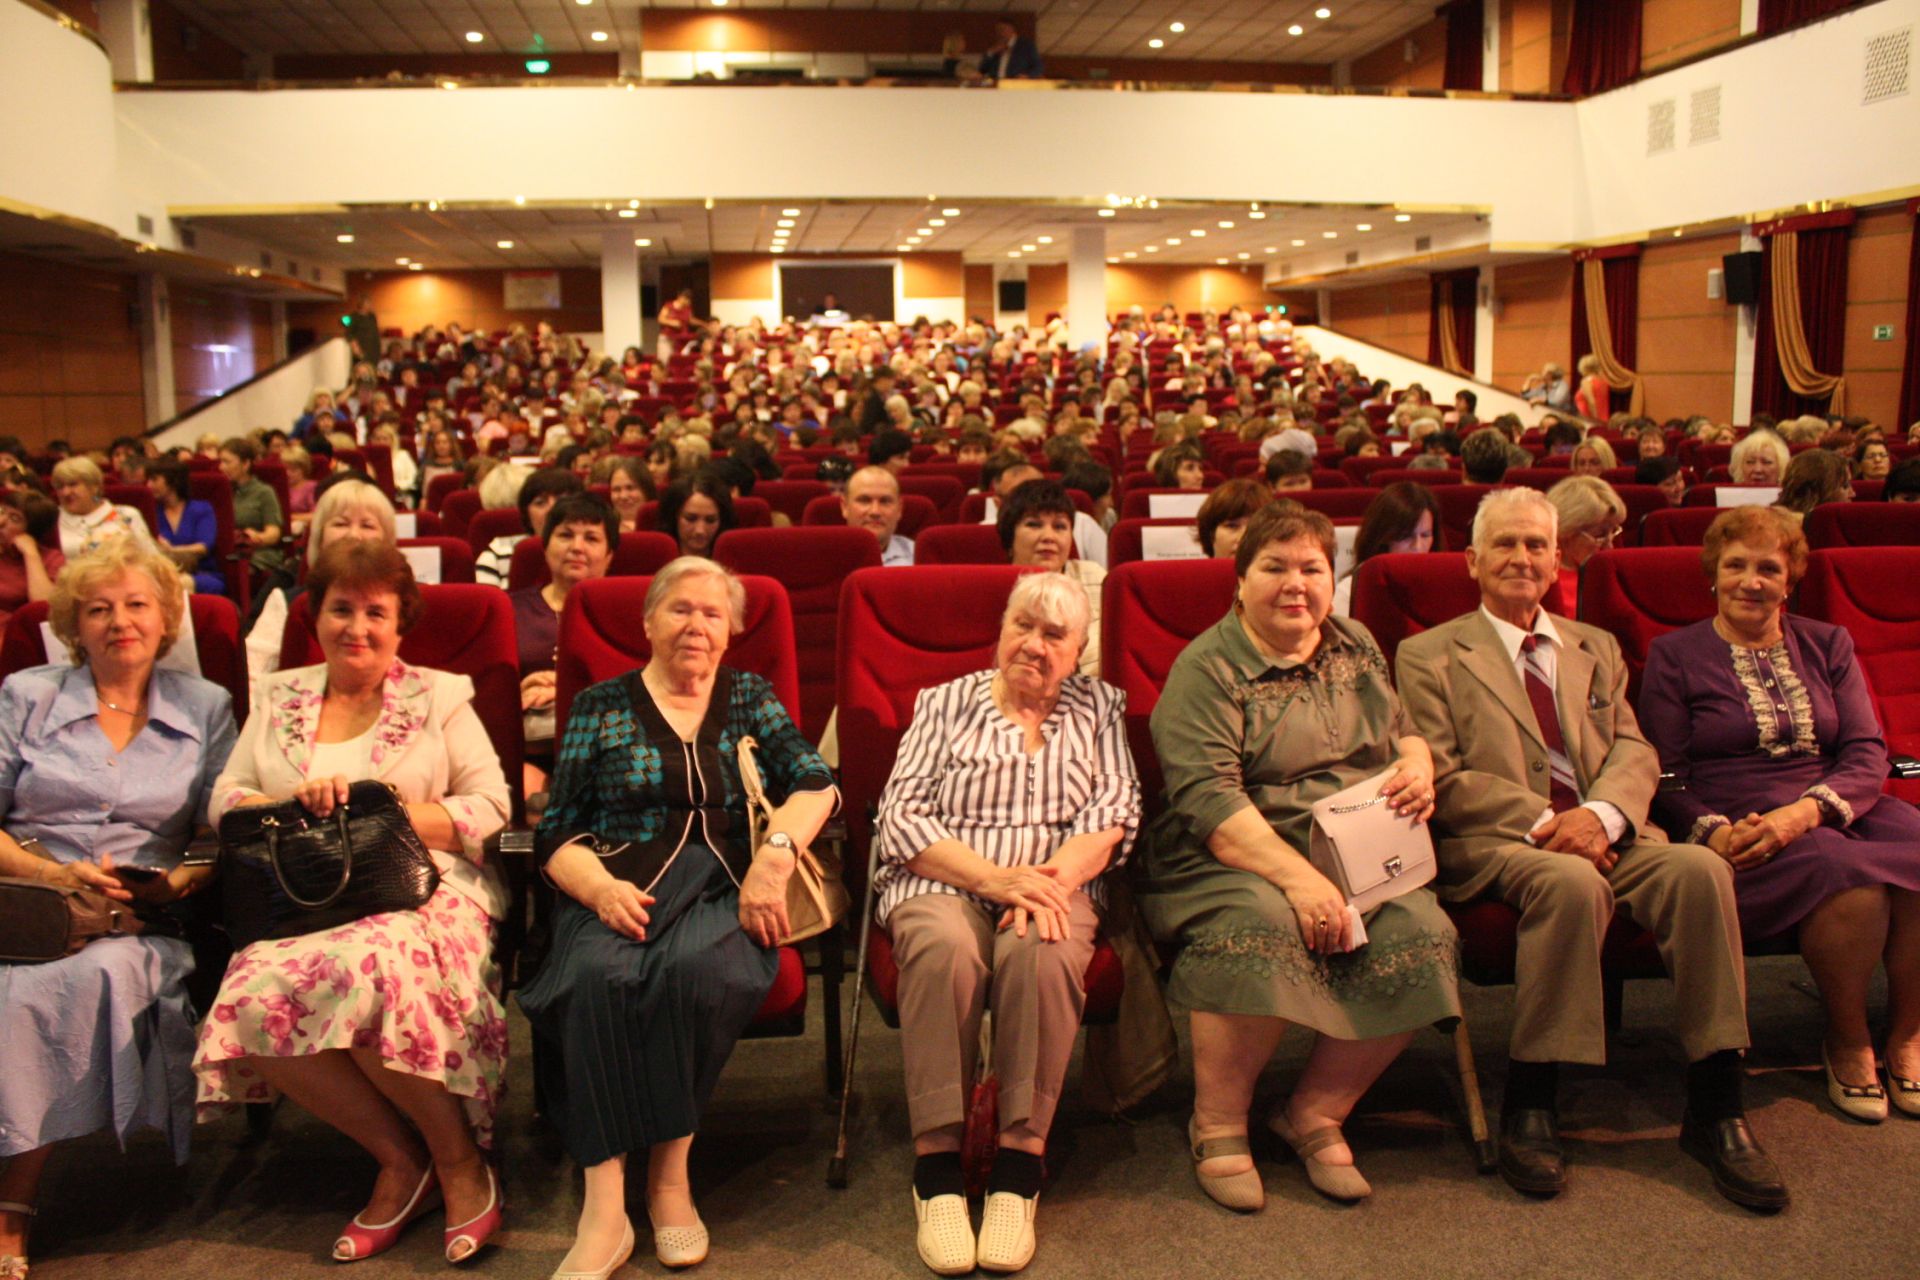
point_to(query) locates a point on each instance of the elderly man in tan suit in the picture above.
(1543, 784)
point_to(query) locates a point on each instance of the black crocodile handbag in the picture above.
(284, 872)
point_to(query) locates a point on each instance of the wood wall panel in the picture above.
(1046, 292)
(1533, 44)
(1187, 288)
(184, 50)
(1387, 67)
(1877, 294)
(69, 354)
(736, 276)
(1686, 339)
(1536, 319)
(981, 292)
(219, 341)
(1674, 29)
(818, 30)
(366, 66)
(1391, 315)
(932, 275)
(412, 300)
(1171, 70)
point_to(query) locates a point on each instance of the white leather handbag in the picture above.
(1370, 852)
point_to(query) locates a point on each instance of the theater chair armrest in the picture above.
(1905, 768)
(1670, 783)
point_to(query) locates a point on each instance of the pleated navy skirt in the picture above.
(633, 1034)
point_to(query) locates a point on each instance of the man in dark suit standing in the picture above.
(1011, 56)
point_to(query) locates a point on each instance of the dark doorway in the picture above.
(675, 276)
(863, 292)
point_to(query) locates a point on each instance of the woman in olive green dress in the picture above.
(1275, 707)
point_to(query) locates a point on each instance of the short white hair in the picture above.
(677, 570)
(501, 488)
(1502, 501)
(1053, 598)
(1760, 442)
(354, 495)
(1584, 502)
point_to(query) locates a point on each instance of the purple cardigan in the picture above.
(1742, 744)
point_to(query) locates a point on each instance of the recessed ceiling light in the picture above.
(936, 222)
(949, 213)
(1153, 248)
(475, 37)
(1220, 262)
(1330, 235)
(583, 3)
(1296, 30)
(629, 213)
(1403, 217)
(784, 222)
(1272, 248)
(503, 244)
(789, 213)
(1363, 226)
(1243, 256)
(1028, 248)
(1299, 244)
(1173, 239)
(1129, 254)
(1013, 253)
(519, 199)
(923, 231)
(643, 243)
(903, 248)
(345, 237)
(1257, 214)
(779, 248)
(719, 4)
(414, 266)
(1046, 239)
(1156, 43)
(1323, 13)
(1106, 213)
(1226, 224)
(1176, 27)
(1198, 233)
(1113, 262)
(401, 262)
(597, 36)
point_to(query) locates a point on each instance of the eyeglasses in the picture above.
(1604, 539)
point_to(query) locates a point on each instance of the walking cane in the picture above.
(837, 1166)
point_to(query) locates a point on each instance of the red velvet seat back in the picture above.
(1458, 505)
(1151, 611)
(1137, 502)
(1124, 539)
(464, 628)
(790, 497)
(959, 544)
(641, 554)
(602, 635)
(1638, 594)
(459, 507)
(1677, 526)
(1335, 504)
(944, 492)
(1870, 591)
(1864, 524)
(1398, 596)
(456, 557)
(216, 637)
(916, 514)
(811, 563)
(1384, 476)
(1642, 500)
(140, 498)
(484, 526)
(427, 524)
(1359, 469)
(440, 488)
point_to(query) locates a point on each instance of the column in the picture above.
(128, 32)
(277, 321)
(1087, 288)
(156, 348)
(1749, 17)
(1490, 45)
(1746, 333)
(1483, 327)
(619, 292)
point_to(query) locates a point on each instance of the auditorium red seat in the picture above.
(1123, 540)
(426, 524)
(1397, 596)
(455, 556)
(459, 507)
(639, 555)
(944, 492)
(1642, 500)
(1358, 469)
(1676, 526)
(1151, 610)
(1870, 592)
(811, 563)
(1381, 477)
(1542, 477)
(790, 497)
(1864, 524)
(956, 544)
(601, 638)
(1329, 478)
(1335, 504)
(212, 488)
(1458, 503)
(1638, 594)
(439, 487)
(1137, 503)
(140, 498)
(748, 513)
(973, 507)
(485, 526)
(216, 639)
(916, 514)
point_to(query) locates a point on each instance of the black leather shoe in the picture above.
(1742, 1172)
(1530, 1157)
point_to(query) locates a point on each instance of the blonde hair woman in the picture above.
(1760, 459)
(1592, 517)
(1592, 398)
(87, 520)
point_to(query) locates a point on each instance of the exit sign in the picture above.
(1883, 333)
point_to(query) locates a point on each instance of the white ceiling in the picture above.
(572, 235)
(1229, 30)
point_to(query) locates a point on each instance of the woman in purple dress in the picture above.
(1768, 721)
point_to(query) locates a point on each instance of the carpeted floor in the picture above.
(1122, 1201)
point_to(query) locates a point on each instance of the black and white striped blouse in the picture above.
(963, 774)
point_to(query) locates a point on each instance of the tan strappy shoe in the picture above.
(1336, 1181)
(1242, 1192)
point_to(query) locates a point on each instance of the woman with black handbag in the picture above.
(106, 763)
(389, 1027)
(665, 941)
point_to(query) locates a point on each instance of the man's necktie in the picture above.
(1561, 789)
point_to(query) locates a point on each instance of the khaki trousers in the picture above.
(1681, 893)
(953, 963)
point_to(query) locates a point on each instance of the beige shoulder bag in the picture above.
(1370, 852)
(816, 894)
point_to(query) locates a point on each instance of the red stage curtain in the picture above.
(1466, 43)
(1823, 312)
(1778, 15)
(1910, 370)
(1450, 315)
(1604, 51)
(1622, 268)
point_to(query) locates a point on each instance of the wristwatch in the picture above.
(781, 840)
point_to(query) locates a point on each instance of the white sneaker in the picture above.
(1006, 1231)
(946, 1234)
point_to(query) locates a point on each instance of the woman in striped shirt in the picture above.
(1012, 793)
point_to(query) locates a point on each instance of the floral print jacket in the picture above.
(428, 744)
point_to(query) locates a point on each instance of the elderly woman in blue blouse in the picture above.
(1012, 793)
(106, 764)
(664, 943)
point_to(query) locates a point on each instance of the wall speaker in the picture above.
(1743, 278)
(1013, 295)
(1716, 284)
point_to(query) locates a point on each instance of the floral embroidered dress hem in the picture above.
(1234, 730)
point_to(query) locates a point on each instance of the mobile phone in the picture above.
(137, 875)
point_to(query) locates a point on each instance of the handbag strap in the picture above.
(758, 810)
(271, 826)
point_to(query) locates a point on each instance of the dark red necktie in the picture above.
(1560, 788)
